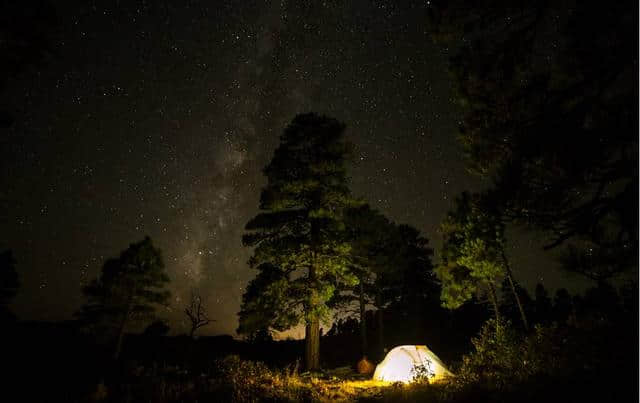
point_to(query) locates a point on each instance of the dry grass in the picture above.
(340, 385)
(236, 380)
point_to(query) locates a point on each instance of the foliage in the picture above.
(548, 97)
(423, 372)
(394, 270)
(504, 357)
(369, 234)
(129, 288)
(393, 261)
(472, 252)
(579, 351)
(248, 381)
(583, 359)
(243, 379)
(260, 336)
(233, 379)
(413, 283)
(268, 301)
(598, 261)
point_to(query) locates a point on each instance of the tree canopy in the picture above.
(548, 95)
(471, 261)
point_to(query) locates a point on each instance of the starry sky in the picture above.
(156, 118)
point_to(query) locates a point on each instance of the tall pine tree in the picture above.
(300, 249)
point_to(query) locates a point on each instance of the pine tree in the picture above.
(129, 288)
(300, 250)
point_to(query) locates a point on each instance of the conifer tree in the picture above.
(300, 250)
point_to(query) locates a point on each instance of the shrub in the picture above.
(249, 381)
(239, 380)
(503, 357)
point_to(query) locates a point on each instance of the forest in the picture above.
(547, 94)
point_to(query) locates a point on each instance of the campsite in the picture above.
(319, 201)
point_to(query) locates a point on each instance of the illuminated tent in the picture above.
(404, 363)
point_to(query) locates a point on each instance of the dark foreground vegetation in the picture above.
(589, 356)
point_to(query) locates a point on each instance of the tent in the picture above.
(405, 363)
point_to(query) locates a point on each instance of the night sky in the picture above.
(149, 119)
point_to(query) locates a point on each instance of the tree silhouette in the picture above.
(393, 266)
(543, 305)
(129, 288)
(562, 306)
(197, 313)
(407, 285)
(414, 281)
(299, 247)
(9, 283)
(369, 234)
(548, 93)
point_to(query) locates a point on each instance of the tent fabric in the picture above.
(405, 363)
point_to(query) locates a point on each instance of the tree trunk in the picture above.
(515, 292)
(363, 324)
(116, 353)
(312, 329)
(494, 301)
(123, 325)
(312, 345)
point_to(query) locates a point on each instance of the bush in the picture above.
(249, 381)
(503, 357)
(241, 380)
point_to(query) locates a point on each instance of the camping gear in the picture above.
(409, 363)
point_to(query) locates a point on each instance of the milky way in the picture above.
(152, 119)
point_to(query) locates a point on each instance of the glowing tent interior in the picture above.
(405, 363)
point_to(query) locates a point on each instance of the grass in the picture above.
(235, 380)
